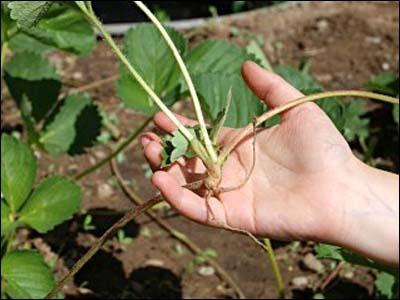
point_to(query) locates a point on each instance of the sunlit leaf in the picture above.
(213, 89)
(26, 275)
(28, 13)
(55, 200)
(66, 28)
(18, 171)
(150, 56)
(213, 56)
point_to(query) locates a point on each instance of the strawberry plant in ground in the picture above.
(134, 169)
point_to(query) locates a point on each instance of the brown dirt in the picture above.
(348, 43)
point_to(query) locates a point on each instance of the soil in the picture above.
(348, 42)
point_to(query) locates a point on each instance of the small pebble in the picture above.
(312, 263)
(154, 263)
(322, 25)
(77, 76)
(105, 191)
(349, 275)
(100, 154)
(385, 66)
(300, 281)
(206, 271)
(373, 39)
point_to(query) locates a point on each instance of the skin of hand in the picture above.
(306, 184)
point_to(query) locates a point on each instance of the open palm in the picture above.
(288, 195)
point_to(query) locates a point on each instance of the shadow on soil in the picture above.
(339, 289)
(104, 275)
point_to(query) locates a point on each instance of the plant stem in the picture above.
(186, 76)
(3, 54)
(275, 268)
(129, 216)
(269, 114)
(224, 275)
(107, 37)
(121, 147)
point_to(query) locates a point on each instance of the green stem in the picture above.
(120, 148)
(186, 76)
(275, 268)
(107, 37)
(273, 112)
(3, 54)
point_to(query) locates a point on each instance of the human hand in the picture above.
(302, 180)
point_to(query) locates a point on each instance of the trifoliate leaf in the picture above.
(28, 13)
(148, 53)
(26, 275)
(18, 171)
(55, 200)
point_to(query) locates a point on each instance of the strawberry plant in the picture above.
(39, 206)
(54, 120)
(156, 70)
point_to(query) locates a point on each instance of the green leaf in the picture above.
(26, 275)
(66, 28)
(384, 284)
(347, 116)
(385, 83)
(303, 82)
(22, 42)
(55, 200)
(354, 126)
(213, 89)
(338, 253)
(31, 66)
(32, 76)
(74, 127)
(176, 146)
(28, 13)
(150, 56)
(214, 56)
(5, 218)
(18, 171)
(253, 48)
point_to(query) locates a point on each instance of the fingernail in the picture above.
(145, 140)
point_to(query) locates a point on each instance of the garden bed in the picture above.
(347, 43)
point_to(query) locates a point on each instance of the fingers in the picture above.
(186, 202)
(268, 86)
(152, 148)
(165, 124)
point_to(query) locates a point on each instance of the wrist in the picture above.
(368, 212)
